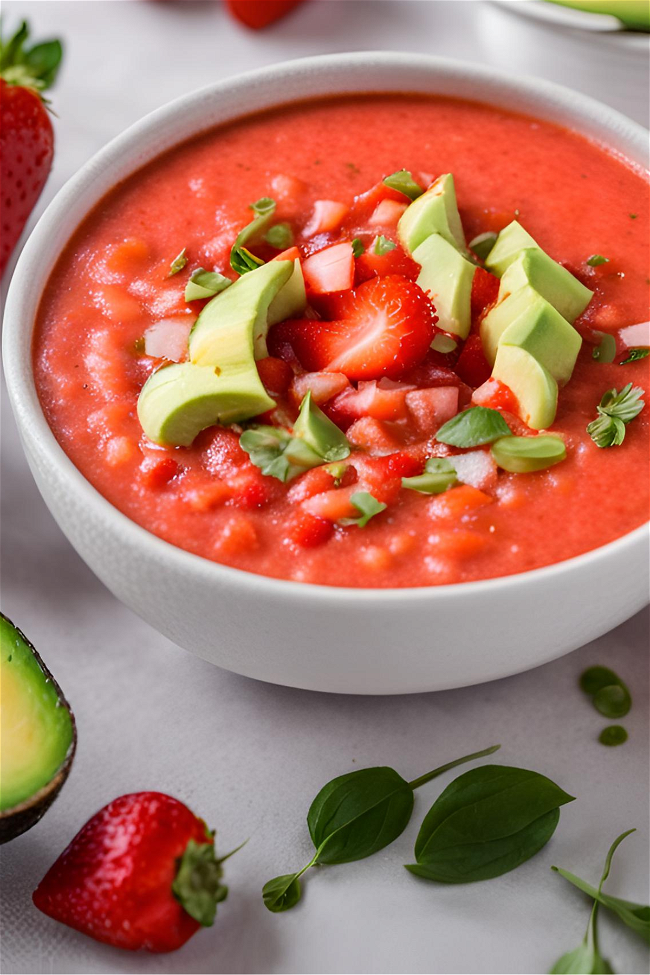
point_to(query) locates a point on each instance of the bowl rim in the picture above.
(19, 367)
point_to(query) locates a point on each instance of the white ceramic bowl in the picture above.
(346, 640)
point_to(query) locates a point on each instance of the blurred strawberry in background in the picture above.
(26, 133)
(260, 13)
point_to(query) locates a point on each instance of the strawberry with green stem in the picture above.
(26, 133)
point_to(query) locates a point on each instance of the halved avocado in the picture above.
(38, 734)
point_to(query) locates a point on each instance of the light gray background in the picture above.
(250, 757)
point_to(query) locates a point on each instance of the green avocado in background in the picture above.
(633, 13)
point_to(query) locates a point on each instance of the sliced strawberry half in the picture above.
(382, 328)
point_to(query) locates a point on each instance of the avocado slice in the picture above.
(528, 321)
(38, 734)
(232, 327)
(435, 212)
(447, 277)
(533, 266)
(291, 299)
(180, 400)
(532, 385)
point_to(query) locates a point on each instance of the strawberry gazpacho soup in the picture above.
(376, 341)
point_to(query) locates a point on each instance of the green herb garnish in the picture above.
(483, 244)
(439, 474)
(316, 430)
(266, 446)
(634, 355)
(352, 817)
(473, 427)
(367, 506)
(357, 247)
(605, 351)
(280, 236)
(205, 284)
(633, 216)
(403, 182)
(382, 245)
(614, 412)
(586, 957)
(178, 263)
(596, 260)
(242, 261)
(487, 822)
(613, 734)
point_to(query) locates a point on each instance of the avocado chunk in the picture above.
(291, 299)
(512, 240)
(447, 277)
(315, 430)
(38, 734)
(435, 212)
(532, 385)
(232, 327)
(534, 267)
(180, 400)
(526, 320)
(522, 455)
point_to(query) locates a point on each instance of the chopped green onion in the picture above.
(596, 260)
(634, 355)
(280, 236)
(242, 261)
(367, 505)
(178, 263)
(205, 284)
(357, 247)
(606, 350)
(439, 474)
(382, 245)
(403, 182)
(264, 208)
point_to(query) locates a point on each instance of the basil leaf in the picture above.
(179, 263)
(634, 355)
(486, 823)
(606, 350)
(204, 284)
(473, 427)
(382, 245)
(279, 236)
(596, 260)
(584, 960)
(282, 893)
(613, 735)
(367, 506)
(357, 247)
(242, 261)
(403, 182)
(439, 474)
(266, 447)
(483, 244)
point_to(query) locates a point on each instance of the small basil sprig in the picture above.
(486, 823)
(615, 410)
(403, 182)
(596, 260)
(439, 474)
(367, 506)
(382, 245)
(178, 263)
(635, 916)
(357, 247)
(473, 427)
(352, 817)
(241, 259)
(608, 693)
(586, 958)
(634, 355)
(205, 284)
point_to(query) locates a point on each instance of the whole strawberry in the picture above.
(142, 874)
(26, 133)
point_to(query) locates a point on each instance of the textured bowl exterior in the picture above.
(322, 638)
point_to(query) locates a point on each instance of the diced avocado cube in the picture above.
(527, 320)
(533, 266)
(291, 299)
(180, 400)
(447, 277)
(511, 241)
(435, 212)
(531, 384)
(234, 324)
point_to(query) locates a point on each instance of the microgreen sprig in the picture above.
(615, 410)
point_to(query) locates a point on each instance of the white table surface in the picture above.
(250, 757)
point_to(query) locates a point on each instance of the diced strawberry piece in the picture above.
(476, 467)
(458, 501)
(366, 204)
(220, 451)
(396, 261)
(383, 400)
(432, 371)
(327, 215)
(252, 489)
(291, 254)
(430, 408)
(323, 386)
(387, 214)
(308, 531)
(403, 464)
(382, 328)
(158, 473)
(332, 505)
(472, 366)
(278, 342)
(485, 288)
(372, 435)
(206, 497)
(458, 543)
(495, 395)
(376, 475)
(275, 374)
(331, 269)
(315, 481)
(237, 536)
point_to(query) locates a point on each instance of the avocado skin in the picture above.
(27, 813)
